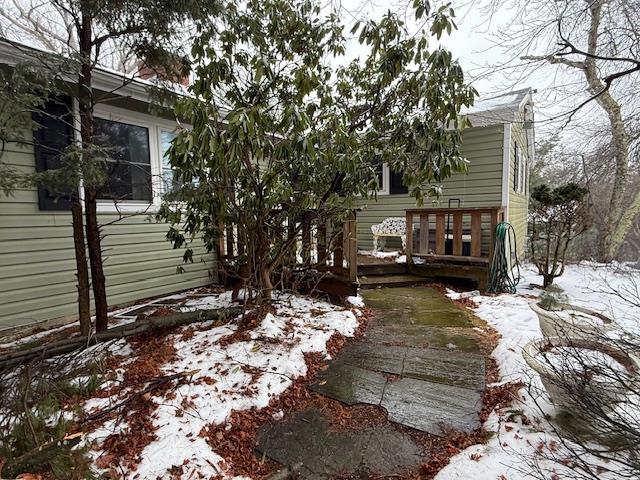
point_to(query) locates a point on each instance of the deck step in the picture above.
(382, 269)
(373, 281)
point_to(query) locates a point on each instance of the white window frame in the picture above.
(385, 188)
(153, 125)
(519, 167)
(163, 129)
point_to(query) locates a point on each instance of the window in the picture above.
(128, 162)
(390, 182)
(168, 180)
(53, 136)
(519, 170)
(516, 167)
(396, 186)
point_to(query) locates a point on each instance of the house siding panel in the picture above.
(519, 202)
(37, 263)
(481, 187)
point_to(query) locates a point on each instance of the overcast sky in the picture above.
(473, 44)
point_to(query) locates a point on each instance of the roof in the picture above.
(130, 86)
(497, 109)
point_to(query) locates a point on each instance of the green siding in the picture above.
(37, 263)
(518, 203)
(481, 187)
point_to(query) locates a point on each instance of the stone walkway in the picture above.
(419, 360)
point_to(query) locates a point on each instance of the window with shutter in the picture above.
(53, 135)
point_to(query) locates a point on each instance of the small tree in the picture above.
(557, 216)
(146, 30)
(279, 132)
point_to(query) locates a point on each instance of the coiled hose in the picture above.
(502, 278)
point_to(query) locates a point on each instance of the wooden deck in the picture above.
(443, 244)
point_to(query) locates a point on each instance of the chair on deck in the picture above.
(390, 227)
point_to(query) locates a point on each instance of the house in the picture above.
(499, 146)
(37, 262)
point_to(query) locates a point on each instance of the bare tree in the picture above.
(592, 48)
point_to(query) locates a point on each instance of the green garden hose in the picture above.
(502, 277)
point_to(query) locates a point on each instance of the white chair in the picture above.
(390, 227)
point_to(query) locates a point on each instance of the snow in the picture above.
(513, 442)
(376, 254)
(220, 383)
(355, 301)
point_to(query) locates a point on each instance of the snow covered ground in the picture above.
(238, 375)
(521, 432)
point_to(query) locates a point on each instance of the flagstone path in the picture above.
(419, 360)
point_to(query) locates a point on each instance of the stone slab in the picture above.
(350, 384)
(379, 358)
(306, 438)
(420, 336)
(414, 306)
(448, 367)
(432, 407)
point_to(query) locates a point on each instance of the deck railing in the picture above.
(463, 235)
(317, 244)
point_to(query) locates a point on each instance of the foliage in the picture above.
(280, 130)
(556, 217)
(553, 298)
(34, 428)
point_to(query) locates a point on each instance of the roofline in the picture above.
(13, 53)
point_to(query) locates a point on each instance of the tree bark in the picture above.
(85, 102)
(68, 345)
(612, 227)
(82, 269)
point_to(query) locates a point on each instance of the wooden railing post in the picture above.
(322, 242)
(440, 233)
(424, 233)
(476, 234)
(352, 247)
(306, 241)
(338, 249)
(457, 233)
(409, 238)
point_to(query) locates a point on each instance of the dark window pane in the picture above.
(128, 160)
(127, 182)
(396, 186)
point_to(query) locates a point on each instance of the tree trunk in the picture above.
(95, 260)
(614, 230)
(82, 270)
(67, 345)
(547, 279)
(85, 103)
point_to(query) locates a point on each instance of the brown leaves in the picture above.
(498, 397)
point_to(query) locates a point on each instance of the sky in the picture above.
(475, 46)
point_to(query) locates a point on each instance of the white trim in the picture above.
(75, 111)
(506, 167)
(385, 188)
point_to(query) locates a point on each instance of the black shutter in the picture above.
(54, 134)
(396, 186)
(516, 169)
